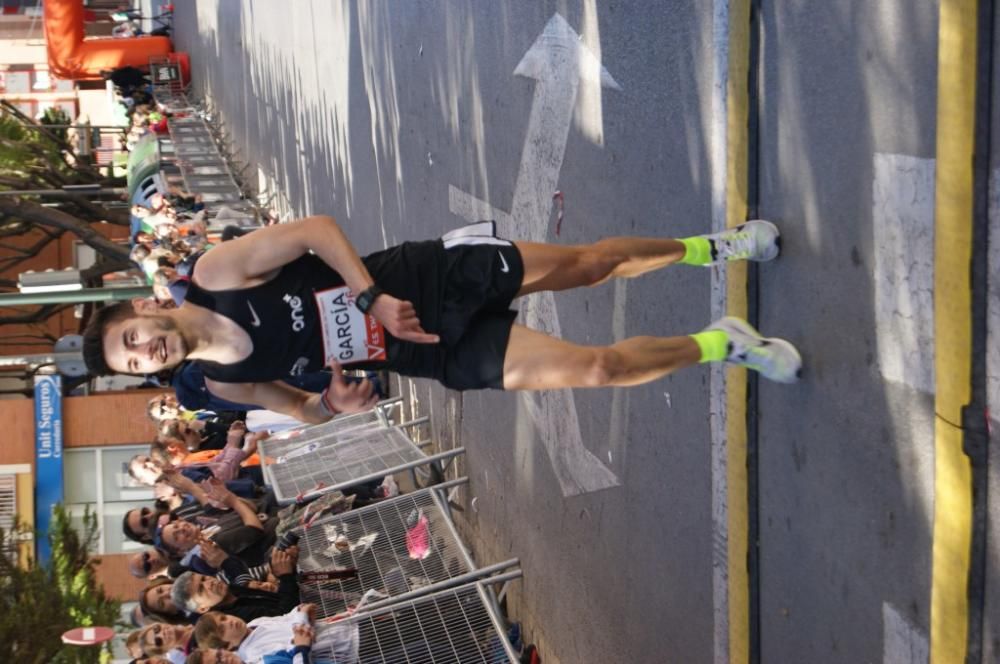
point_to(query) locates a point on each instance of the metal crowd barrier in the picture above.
(373, 556)
(307, 462)
(194, 159)
(391, 581)
(460, 624)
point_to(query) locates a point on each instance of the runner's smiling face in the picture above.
(143, 344)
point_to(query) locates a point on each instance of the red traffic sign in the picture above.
(87, 636)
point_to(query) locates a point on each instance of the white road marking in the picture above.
(557, 61)
(903, 230)
(472, 209)
(903, 216)
(902, 642)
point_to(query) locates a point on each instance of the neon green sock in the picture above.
(697, 250)
(714, 345)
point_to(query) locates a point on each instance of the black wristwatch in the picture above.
(366, 298)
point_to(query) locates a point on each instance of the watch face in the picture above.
(366, 298)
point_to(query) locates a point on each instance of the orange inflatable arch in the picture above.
(72, 57)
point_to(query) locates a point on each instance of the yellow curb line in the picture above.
(736, 305)
(953, 329)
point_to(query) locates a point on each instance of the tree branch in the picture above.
(40, 314)
(21, 339)
(28, 252)
(53, 218)
(14, 228)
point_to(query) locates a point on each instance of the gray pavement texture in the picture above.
(370, 111)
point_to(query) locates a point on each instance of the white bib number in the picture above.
(348, 335)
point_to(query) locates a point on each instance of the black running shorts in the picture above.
(463, 294)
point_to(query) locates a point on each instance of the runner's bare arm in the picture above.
(232, 264)
(342, 396)
(277, 396)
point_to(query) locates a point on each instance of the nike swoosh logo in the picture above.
(256, 319)
(504, 267)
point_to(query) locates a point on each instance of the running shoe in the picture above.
(755, 240)
(774, 358)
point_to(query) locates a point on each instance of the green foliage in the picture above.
(28, 150)
(56, 116)
(15, 153)
(38, 604)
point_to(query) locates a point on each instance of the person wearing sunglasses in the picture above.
(150, 562)
(139, 524)
(160, 639)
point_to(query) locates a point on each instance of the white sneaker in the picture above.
(755, 240)
(774, 358)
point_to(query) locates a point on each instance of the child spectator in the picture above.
(165, 407)
(294, 650)
(278, 636)
(172, 641)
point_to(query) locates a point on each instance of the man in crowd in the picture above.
(198, 594)
(249, 542)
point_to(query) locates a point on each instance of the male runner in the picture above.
(261, 308)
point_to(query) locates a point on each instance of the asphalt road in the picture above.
(398, 117)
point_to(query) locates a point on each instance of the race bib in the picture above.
(348, 335)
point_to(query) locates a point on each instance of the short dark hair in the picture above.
(141, 537)
(93, 336)
(207, 631)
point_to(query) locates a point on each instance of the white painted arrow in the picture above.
(558, 61)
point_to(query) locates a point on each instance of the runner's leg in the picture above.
(536, 361)
(557, 267)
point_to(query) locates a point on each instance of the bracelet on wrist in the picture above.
(325, 405)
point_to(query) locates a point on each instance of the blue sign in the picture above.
(48, 457)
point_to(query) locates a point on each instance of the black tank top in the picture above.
(281, 318)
